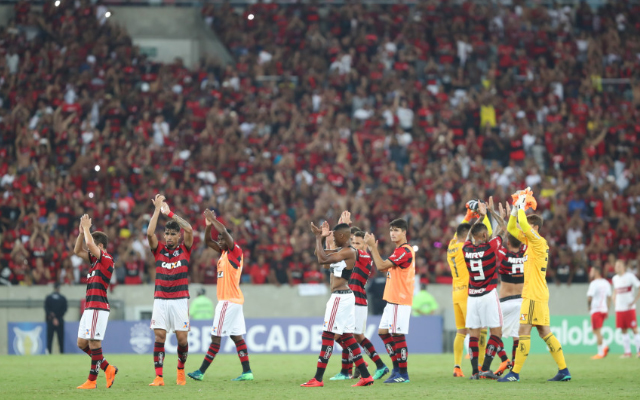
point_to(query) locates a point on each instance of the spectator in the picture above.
(452, 102)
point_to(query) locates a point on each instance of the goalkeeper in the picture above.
(535, 293)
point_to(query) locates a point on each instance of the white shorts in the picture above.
(93, 324)
(395, 318)
(171, 315)
(484, 311)
(511, 317)
(361, 314)
(229, 320)
(339, 316)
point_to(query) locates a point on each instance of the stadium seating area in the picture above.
(388, 111)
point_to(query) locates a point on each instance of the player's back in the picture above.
(624, 285)
(229, 271)
(536, 260)
(98, 281)
(482, 263)
(360, 276)
(599, 290)
(459, 272)
(172, 272)
(512, 265)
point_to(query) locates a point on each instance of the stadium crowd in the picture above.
(387, 111)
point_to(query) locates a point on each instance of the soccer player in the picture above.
(339, 318)
(93, 324)
(599, 301)
(170, 308)
(483, 305)
(624, 283)
(359, 277)
(511, 273)
(229, 316)
(460, 283)
(535, 293)
(398, 292)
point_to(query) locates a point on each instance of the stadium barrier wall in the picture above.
(264, 335)
(297, 336)
(261, 301)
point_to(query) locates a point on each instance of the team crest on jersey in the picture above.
(176, 253)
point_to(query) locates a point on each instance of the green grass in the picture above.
(279, 377)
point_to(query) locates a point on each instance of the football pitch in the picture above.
(279, 377)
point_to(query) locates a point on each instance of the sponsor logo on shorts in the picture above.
(523, 317)
(477, 291)
(185, 324)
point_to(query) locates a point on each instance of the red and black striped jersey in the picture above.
(98, 280)
(172, 272)
(360, 276)
(512, 265)
(482, 262)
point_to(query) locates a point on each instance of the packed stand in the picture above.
(385, 111)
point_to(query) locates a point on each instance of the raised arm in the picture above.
(482, 213)
(343, 254)
(499, 218)
(372, 243)
(186, 227)
(151, 229)
(85, 223)
(208, 240)
(228, 239)
(79, 248)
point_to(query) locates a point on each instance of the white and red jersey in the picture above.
(625, 286)
(599, 290)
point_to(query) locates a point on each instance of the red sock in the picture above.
(474, 350)
(158, 357)
(402, 352)
(350, 342)
(214, 348)
(87, 350)
(347, 363)
(182, 355)
(389, 344)
(325, 354)
(371, 352)
(243, 354)
(97, 362)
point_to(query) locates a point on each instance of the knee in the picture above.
(382, 332)
(463, 331)
(82, 343)
(161, 337)
(544, 331)
(216, 339)
(236, 339)
(359, 338)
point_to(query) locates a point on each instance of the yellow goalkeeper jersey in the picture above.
(536, 259)
(459, 272)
